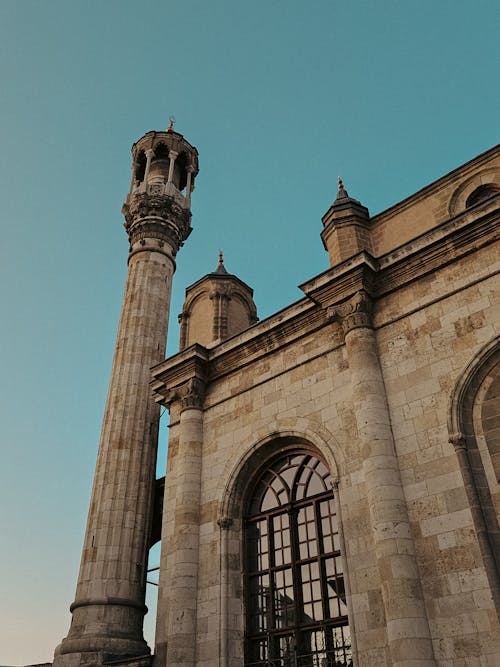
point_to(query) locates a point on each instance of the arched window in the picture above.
(296, 613)
(482, 193)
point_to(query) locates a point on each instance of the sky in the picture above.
(279, 97)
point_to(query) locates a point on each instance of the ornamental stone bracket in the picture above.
(182, 379)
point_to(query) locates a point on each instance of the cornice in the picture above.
(456, 238)
(331, 301)
(265, 342)
(181, 377)
(341, 282)
(436, 185)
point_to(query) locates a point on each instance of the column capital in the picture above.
(182, 378)
(354, 313)
(149, 153)
(225, 522)
(458, 440)
(192, 394)
(173, 154)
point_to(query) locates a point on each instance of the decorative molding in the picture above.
(340, 282)
(182, 378)
(192, 394)
(335, 287)
(225, 522)
(354, 313)
(223, 291)
(151, 215)
(458, 440)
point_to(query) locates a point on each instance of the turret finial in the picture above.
(342, 192)
(220, 266)
(170, 127)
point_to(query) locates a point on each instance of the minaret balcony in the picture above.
(159, 189)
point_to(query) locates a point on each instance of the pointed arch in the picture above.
(464, 433)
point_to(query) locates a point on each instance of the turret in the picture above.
(346, 227)
(217, 306)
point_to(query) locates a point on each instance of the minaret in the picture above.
(109, 608)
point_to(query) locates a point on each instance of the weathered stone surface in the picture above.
(388, 370)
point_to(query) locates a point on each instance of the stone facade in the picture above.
(363, 371)
(388, 372)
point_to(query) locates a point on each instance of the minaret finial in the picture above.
(221, 258)
(170, 127)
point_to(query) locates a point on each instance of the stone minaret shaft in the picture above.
(109, 606)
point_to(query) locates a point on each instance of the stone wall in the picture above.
(296, 379)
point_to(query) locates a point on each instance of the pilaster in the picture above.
(406, 620)
(181, 387)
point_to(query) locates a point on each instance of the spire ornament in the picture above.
(342, 192)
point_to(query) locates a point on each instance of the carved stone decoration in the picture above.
(225, 522)
(221, 292)
(157, 216)
(354, 313)
(170, 397)
(458, 440)
(192, 394)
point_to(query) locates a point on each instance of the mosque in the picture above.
(331, 495)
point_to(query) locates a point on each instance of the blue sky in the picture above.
(279, 98)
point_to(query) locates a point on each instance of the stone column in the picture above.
(132, 178)
(184, 559)
(189, 184)
(183, 322)
(109, 606)
(407, 625)
(225, 524)
(172, 155)
(149, 156)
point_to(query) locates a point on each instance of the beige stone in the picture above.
(387, 371)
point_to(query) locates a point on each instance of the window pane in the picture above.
(295, 593)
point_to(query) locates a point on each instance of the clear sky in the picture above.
(279, 97)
